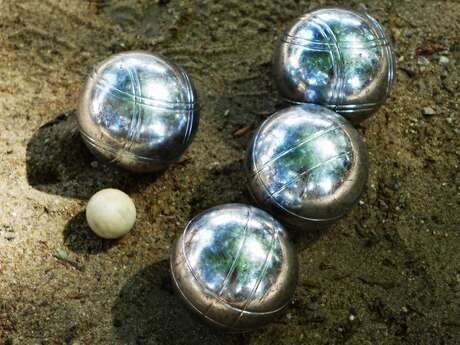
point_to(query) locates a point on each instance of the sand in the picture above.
(388, 273)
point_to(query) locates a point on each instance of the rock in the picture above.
(61, 254)
(428, 111)
(444, 60)
(423, 61)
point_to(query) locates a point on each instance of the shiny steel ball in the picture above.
(138, 110)
(234, 267)
(307, 166)
(337, 58)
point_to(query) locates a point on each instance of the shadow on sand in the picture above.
(147, 311)
(58, 162)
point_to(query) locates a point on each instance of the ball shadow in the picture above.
(247, 101)
(224, 184)
(304, 238)
(79, 238)
(229, 184)
(147, 311)
(58, 162)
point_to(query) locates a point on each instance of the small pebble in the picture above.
(444, 60)
(423, 61)
(61, 254)
(110, 213)
(94, 164)
(428, 111)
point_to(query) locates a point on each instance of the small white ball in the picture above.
(110, 213)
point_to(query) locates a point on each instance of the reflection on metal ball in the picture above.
(337, 58)
(138, 110)
(234, 266)
(307, 166)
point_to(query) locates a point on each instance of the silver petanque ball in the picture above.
(234, 267)
(138, 110)
(337, 58)
(307, 166)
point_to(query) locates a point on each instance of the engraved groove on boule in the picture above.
(351, 111)
(355, 106)
(233, 265)
(156, 103)
(306, 172)
(191, 305)
(238, 254)
(350, 168)
(335, 55)
(292, 148)
(274, 311)
(191, 97)
(189, 127)
(318, 220)
(326, 46)
(240, 311)
(199, 281)
(112, 150)
(140, 120)
(132, 102)
(317, 47)
(135, 116)
(259, 278)
(353, 62)
(267, 273)
(198, 278)
(351, 108)
(338, 66)
(139, 100)
(388, 52)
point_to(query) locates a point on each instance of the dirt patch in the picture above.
(388, 273)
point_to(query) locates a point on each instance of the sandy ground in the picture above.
(388, 273)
